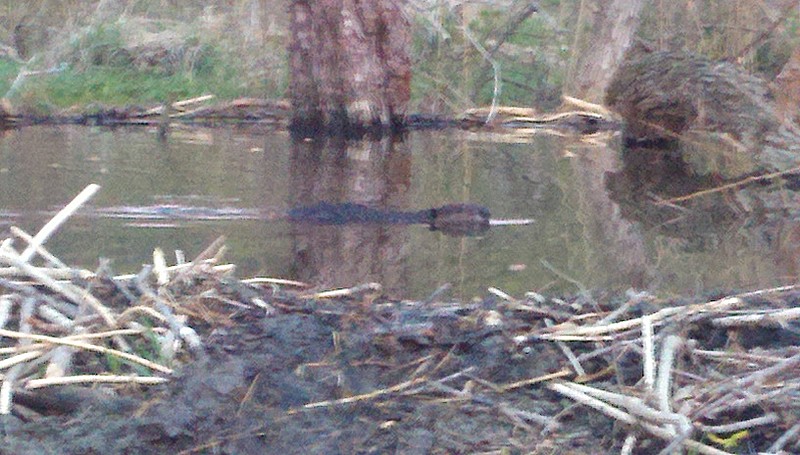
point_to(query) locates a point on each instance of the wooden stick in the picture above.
(94, 379)
(54, 273)
(348, 291)
(66, 289)
(649, 362)
(19, 358)
(41, 250)
(51, 226)
(366, 396)
(278, 281)
(217, 268)
(526, 382)
(87, 347)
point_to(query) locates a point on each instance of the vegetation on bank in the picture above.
(147, 53)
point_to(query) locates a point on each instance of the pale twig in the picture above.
(648, 354)
(766, 419)
(87, 347)
(784, 439)
(222, 268)
(628, 445)
(109, 334)
(764, 374)
(160, 267)
(565, 277)
(763, 318)
(501, 294)
(366, 396)
(51, 226)
(586, 105)
(7, 389)
(665, 362)
(584, 399)
(40, 250)
(66, 289)
(94, 379)
(60, 362)
(726, 404)
(515, 413)
(347, 292)
(56, 317)
(6, 303)
(736, 356)
(576, 365)
(278, 281)
(19, 358)
(634, 406)
(624, 417)
(176, 326)
(559, 332)
(54, 273)
(511, 221)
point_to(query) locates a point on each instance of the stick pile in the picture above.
(54, 330)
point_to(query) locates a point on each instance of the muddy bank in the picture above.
(275, 114)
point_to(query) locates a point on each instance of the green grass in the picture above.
(123, 86)
(115, 85)
(101, 72)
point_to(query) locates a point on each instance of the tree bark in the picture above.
(605, 30)
(787, 87)
(349, 65)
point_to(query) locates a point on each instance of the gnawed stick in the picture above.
(94, 379)
(347, 292)
(222, 268)
(51, 226)
(365, 396)
(622, 416)
(87, 347)
(278, 281)
(511, 221)
(19, 358)
(65, 289)
(40, 249)
(537, 380)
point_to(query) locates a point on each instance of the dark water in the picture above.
(597, 225)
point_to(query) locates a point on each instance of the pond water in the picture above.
(597, 221)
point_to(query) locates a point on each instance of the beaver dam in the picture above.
(185, 357)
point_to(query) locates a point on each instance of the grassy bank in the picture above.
(141, 62)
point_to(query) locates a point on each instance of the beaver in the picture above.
(459, 219)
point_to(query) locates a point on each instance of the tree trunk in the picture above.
(787, 87)
(604, 32)
(349, 64)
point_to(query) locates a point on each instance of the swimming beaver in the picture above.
(452, 219)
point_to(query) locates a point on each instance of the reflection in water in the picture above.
(376, 174)
(598, 222)
(750, 228)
